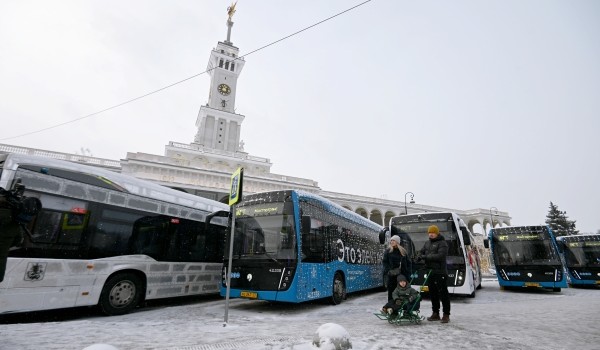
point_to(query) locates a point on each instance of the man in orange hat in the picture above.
(434, 253)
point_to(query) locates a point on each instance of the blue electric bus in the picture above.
(581, 256)
(463, 262)
(294, 246)
(526, 256)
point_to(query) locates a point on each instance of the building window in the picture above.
(232, 66)
(221, 63)
(227, 65)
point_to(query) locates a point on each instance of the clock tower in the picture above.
(218, 125)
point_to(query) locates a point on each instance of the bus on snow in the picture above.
(294, 246)
(463, 261)
(107, 239)
(526, 256)
(581, 258)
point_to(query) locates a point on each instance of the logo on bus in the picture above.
(355, 255)
(35, 271)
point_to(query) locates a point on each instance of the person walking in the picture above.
(434, 254)
(395, 262)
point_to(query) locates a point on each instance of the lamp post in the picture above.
(412, 195)
(491, 217)
(492, 223)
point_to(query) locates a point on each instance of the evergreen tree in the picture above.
(559, 222)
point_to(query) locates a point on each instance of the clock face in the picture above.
(224, 89)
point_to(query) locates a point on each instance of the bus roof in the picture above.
(426, 217)
(311, 197)
(519, 229)
(347, 213)
(579, 238)
(126, 183)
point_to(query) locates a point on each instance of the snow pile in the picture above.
(332, 336)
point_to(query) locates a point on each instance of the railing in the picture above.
(239, 155)
(100, 162)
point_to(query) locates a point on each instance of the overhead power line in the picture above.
(183, 80)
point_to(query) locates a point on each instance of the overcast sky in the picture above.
(467, 104)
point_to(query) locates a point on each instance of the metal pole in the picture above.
(491, 217)
(412, 195)
(491, 223)
(228, 270)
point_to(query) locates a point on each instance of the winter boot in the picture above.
(435, 316)
(446, 318)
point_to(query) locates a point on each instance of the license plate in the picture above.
(424, 289)
(531, 284)
(251, 295)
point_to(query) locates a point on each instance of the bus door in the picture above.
(472, 264)
(315, 275)
(456, 262)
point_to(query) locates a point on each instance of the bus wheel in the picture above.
(339, 289)
(556, 289)
(121, 293)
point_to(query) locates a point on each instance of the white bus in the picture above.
(107, 239)
(463, 262)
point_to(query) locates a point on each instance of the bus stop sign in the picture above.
(235, 192)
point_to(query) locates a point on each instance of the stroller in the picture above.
(406, 313)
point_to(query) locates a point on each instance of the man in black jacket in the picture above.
(434, 253)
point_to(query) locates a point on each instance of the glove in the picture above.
(411, 298)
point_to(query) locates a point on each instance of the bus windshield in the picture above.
(415, 235)
(261, 233)
(525, 248)
(582, 254)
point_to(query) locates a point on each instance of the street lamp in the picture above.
(412, 195)
(492, 223)
(491, 217)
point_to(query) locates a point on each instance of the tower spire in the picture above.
(218, 124)
(230, 12)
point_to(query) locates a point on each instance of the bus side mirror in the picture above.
(465, 236)
(220, 213)
(382, 233)
(486, 243)
(305, 223)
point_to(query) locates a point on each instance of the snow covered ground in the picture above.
(494, 319)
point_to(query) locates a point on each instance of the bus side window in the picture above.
(58, 227)
(47, 227)
(313, 245)
(72, 228)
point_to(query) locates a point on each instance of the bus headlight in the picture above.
(558, 275)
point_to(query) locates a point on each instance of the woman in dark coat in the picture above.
(395, 262)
